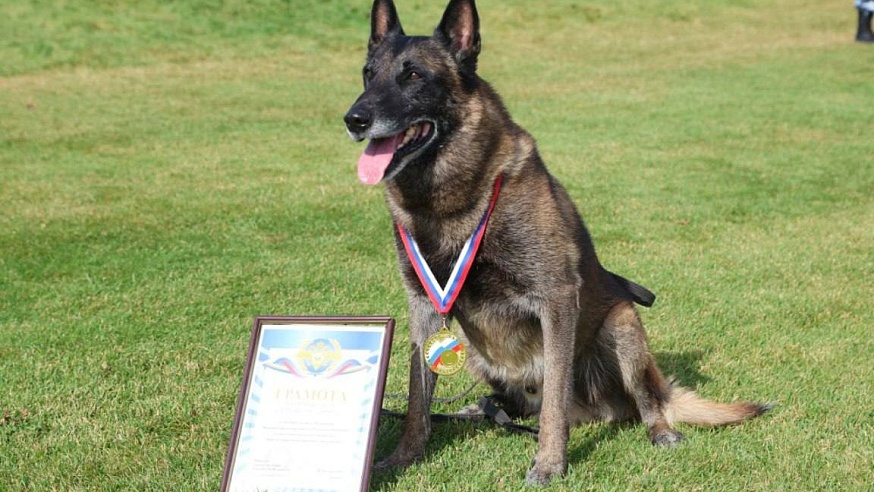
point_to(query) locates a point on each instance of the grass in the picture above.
(169, 170)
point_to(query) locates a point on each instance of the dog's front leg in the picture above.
(558, 321)
(424, 321)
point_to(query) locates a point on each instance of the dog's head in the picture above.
(412, 85)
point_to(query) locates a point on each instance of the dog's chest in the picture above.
(497, 311)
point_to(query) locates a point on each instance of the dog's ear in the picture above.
(459, 30)
(384, 22)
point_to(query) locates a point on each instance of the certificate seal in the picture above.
(444, 353)
(320, 356)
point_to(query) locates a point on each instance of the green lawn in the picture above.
(169, 170)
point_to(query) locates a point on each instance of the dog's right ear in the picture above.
(384, 22)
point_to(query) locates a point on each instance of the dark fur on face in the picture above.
(552, 331)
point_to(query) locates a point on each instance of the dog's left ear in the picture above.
(459, 30)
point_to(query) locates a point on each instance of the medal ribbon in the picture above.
(443, 297)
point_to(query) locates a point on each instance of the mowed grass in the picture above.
(168, 171)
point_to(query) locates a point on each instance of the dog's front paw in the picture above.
(541, 472)
(398, 459)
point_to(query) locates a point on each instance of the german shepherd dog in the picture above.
(552, 331)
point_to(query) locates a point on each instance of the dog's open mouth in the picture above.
(382, 152)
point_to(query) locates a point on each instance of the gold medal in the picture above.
(444, 353)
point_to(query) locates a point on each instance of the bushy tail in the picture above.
(686, 406)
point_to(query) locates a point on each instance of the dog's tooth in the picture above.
(413, 133)
(403, 141)
(422, 130)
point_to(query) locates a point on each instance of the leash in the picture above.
(487, 406)
(450, 399)
(500, 417)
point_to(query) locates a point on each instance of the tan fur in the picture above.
(687, 407)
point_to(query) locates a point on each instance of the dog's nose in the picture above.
(357, 119)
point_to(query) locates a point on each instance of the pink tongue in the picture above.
(376, 157)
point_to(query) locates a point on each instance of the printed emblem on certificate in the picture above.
(309, 405)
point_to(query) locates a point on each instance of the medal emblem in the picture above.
(444, 353)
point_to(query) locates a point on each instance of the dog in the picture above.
(554, 333)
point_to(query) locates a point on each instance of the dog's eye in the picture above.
(368, 73)
(414, 75)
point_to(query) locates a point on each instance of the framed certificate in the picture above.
(309, 405)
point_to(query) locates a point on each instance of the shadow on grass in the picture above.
(683, 366)
(442, 434)
(680, 365)
(578, 452)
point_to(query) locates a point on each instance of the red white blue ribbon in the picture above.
(443, 297)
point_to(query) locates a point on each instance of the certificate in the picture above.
(309, 405)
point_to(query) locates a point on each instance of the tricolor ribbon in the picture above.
(443, 297)
(450, 344)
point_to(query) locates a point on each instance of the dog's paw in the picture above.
(540, 474)
(397, 459)
(666, 438)
(383, 465)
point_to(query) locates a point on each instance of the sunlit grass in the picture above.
(170, 170)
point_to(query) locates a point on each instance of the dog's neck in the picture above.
(439, 192)
(449, 213)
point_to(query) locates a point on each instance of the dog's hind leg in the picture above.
(424, 321)
(641, 379)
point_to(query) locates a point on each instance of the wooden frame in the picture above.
(308, 409)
